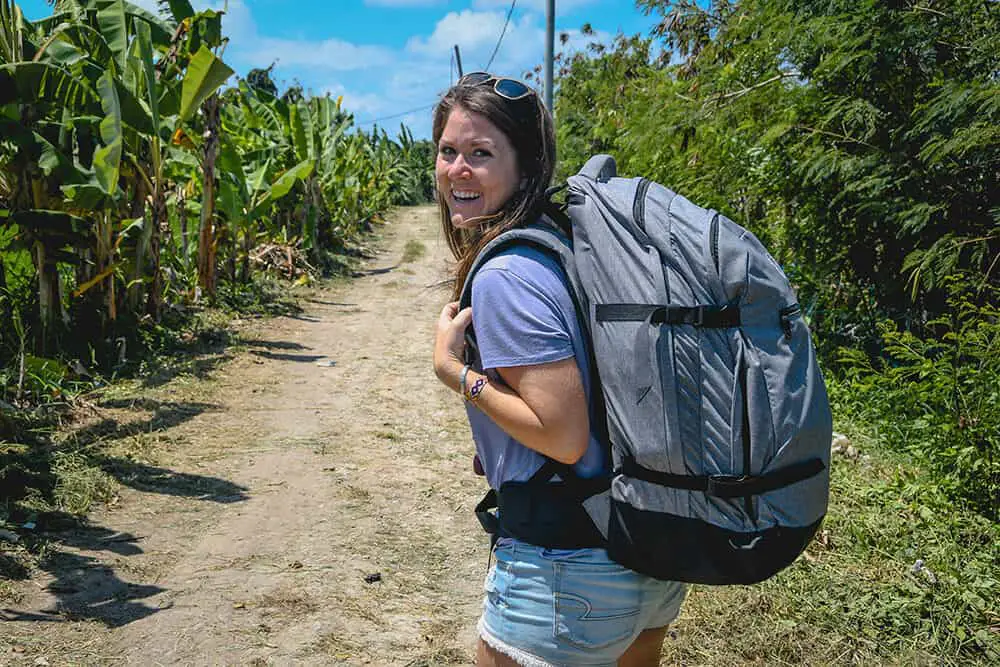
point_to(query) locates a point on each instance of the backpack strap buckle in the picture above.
(726, 486)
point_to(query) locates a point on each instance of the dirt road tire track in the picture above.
(316, 476)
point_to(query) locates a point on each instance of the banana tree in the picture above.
(30, 93)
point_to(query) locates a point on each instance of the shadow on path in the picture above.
(279, 356)
(84, 587)
(375, 272)
(275, 344)
(153, 479)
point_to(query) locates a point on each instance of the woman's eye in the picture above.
(446, 150)
(479, 152)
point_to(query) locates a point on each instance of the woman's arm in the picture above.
(543, 407)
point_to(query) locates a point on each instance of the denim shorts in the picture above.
(569, 607)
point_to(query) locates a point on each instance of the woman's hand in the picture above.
(449, 344)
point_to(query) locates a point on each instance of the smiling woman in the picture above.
(476, 168)
(527, 394)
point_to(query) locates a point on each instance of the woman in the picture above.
(544, 606)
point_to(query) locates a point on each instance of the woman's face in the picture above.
(476, 167)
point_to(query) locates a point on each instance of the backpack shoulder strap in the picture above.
(545, 235)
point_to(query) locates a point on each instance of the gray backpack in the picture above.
(717, 419)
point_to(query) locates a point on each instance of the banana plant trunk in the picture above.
(206, 235)
(158, 227)
(182, 220)
(104, 258)
(49, 297)
(50, 308)
(5, 313)
(137, 209)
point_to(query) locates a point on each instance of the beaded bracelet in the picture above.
(472, 393)
(476, 390)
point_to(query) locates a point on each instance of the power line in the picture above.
(502, 33)
(397, 115)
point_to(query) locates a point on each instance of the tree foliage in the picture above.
(860, 140)
(132, 177)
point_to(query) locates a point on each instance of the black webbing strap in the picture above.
(727, 486)
(491, 501)
(487, 519)
(709, 316)
(542, 512)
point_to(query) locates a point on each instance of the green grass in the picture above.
(80, 484)
(413, 250)
(857, 596)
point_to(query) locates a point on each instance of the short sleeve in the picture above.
(516, 314)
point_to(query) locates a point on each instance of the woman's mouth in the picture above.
(465, 195)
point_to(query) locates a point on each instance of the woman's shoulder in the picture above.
(528, 264)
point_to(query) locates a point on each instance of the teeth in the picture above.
(465, 195)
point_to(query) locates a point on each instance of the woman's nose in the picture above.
(459, 168)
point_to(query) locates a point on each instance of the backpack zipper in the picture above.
(713, 232)
(639, 205)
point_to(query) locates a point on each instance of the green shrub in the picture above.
(937, 396)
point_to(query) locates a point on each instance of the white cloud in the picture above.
(329, 54)
(249, 47)
(476, 34)
(356, 103)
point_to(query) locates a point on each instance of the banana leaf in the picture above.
(79, 36)
(57, 226)
(205, 74)
(160, 28)
(179, 9)
(133, 113)
(84, 196)
(107, 158)
(30, 83)
(51, 161)
(113, 24)
(145, 42)
(283, 186)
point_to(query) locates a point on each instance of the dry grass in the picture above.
(413, 251)
(287, 602)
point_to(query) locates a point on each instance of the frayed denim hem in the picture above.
(521, 656)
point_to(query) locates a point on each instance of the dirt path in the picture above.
(265, 499)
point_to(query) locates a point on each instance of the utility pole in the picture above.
(550, 40)
(458, 60)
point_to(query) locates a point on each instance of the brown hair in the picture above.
(527, 124)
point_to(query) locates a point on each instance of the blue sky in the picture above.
(392, 56)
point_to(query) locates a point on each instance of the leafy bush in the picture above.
(937, 397)
(859, 141)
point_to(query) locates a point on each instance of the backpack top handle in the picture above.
(601, 168)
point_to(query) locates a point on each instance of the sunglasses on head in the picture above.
(510, 89)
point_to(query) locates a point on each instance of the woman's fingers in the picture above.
(449, 311)
(462, 319)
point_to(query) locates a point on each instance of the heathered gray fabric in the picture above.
(674, 393)
(691, 420)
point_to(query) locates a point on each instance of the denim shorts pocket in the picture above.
(498, 578)
(596, 606)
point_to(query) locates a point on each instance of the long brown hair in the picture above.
(527, 124)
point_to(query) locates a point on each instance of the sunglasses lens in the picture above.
(475, 78)
(511, 89)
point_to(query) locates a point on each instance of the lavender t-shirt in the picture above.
(523, 316)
